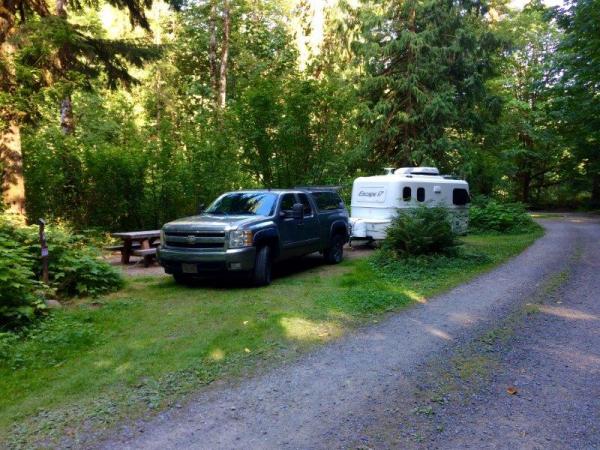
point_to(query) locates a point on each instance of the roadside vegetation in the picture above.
(74, 270)
(489, 215)
(421, 231)
(99, 360)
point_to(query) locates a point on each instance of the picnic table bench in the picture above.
(137, 243)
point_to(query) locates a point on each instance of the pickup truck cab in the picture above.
(248, 231)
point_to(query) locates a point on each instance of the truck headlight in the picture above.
(240, 238)
(162, 238)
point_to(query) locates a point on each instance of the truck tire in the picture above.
(261, 275)
(335, 253)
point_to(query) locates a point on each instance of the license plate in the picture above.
(189, 268)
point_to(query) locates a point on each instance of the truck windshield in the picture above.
(244, 203)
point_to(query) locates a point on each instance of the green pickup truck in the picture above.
(248, 231)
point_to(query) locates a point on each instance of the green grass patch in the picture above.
(126, 354)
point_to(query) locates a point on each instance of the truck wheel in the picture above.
(335, 253)
(261, 276)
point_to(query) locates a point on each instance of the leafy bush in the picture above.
(492, 216)
(74, 269)
(21, 296)
(421, 231)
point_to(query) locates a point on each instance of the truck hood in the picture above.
(210, 222)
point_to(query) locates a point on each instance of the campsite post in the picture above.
(44, 247)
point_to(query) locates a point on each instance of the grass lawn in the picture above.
(100, 360)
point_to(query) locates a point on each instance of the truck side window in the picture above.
(460, 197)
(287, 202)
(421, 194)
(306, 204)
(406, 194)
(327, 201)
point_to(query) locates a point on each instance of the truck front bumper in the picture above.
(183, 261)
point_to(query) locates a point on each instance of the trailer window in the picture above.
(406, 194)
(460, 197)
(421, 194)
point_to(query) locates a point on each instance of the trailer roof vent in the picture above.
(418, 170)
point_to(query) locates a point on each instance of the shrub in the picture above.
(493, 216)
(74, 269)
(421, 231)
(21, 296)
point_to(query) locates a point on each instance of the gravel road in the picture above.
(351, 393)
(553, 360)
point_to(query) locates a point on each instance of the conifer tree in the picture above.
(426, 63)
(578, 100)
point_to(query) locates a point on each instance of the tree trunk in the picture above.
(212, 47)
(67, 123)
(525, 187)
(224, 56)
(7, 20)
(61, 8)
(595, 199)
(13, 186)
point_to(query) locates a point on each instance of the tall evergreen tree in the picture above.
(578, 101)
(526, 140)
(426, 63)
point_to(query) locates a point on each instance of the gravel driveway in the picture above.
(362, 390)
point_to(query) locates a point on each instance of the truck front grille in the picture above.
(195, 239)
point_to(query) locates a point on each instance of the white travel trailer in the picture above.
(376, 200)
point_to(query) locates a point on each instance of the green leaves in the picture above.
(75, 270)
(493, 216)
(577, 104)
(21, 296)
(420, 231)
(426, 64)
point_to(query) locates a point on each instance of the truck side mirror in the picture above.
(298, 211)
(200, 209)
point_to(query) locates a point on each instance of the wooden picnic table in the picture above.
(146, 240)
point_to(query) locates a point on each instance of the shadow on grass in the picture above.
(283, 271)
